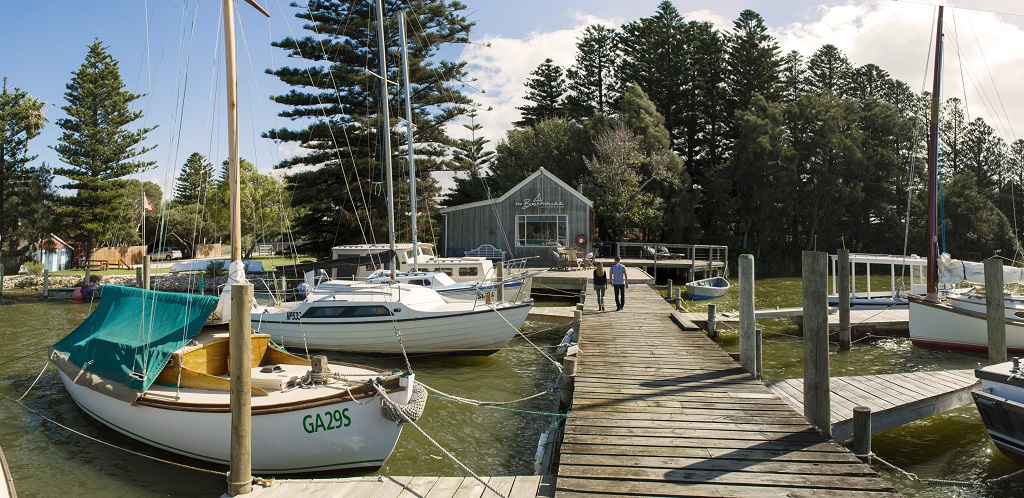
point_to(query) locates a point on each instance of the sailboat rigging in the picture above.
(145, 365)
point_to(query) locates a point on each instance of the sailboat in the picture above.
(955, 321)
(149, 365)
(386, 316)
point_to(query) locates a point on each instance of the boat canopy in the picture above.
(132, 333)
(954, 271)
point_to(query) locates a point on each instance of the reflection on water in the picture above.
(491, 441)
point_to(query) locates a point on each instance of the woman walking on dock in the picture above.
(620, 283)
(600, 284)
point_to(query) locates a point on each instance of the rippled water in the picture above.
(47, 460)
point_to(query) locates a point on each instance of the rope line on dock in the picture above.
(385, 399)
(931, 482)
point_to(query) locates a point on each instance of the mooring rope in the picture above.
(34, 381)
(475, 402)
(446, 453)
(931, 482)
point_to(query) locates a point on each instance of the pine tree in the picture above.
(793, 75)
(337, 101)
(547, 89)
(195, 180)
(592, 84)
(754, 61)
(828, 70)
(21, 118)
(98, 151)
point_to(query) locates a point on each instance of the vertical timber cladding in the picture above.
(541, 197)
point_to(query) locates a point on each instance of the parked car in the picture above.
(166, 254)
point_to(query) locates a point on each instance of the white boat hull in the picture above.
(484, 331)
(342, 435)
(943, 326)
(1000, 402)
(708, 288)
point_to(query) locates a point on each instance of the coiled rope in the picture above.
(410, 411)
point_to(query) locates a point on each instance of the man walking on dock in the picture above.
(619, 283)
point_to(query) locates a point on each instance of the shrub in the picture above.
(34, 268)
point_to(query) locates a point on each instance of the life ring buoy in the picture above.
(581, 240)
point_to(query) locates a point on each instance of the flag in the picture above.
(146, 204)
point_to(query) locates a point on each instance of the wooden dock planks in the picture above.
(894, 399)
(659, 411)
(406, 487)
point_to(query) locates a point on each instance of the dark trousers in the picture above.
(620, 295)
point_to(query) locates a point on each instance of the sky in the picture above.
(169, 50)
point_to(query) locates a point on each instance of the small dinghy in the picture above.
(707, 288)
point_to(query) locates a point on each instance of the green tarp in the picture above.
(132, 333)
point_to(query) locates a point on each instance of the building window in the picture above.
(542, 230)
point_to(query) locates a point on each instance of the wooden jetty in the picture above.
(894, 399)
(660, 411)
(401, 487)
(570, 283)
(893, 321)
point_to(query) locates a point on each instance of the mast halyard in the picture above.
(408, 124)
(385, 129)
(932, 291)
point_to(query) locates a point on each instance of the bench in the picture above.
(96, 264)
(486, 251)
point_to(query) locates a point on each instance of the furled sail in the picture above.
(954, 271)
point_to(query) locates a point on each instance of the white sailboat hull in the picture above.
(485, 330)
(341, 435)
(943, 326)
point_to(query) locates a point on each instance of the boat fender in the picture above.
(400, 413)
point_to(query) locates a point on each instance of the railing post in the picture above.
(995, 308)
(500, 273)
(817, 403)
(844, 299)
(747, 323)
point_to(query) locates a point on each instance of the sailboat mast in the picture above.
(234, 197)
(385, 129)
(408, 126)
(933, 159)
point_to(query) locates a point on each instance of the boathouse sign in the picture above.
(539, 202)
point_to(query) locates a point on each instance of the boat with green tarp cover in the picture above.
(144, 364)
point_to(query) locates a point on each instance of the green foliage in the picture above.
(547, 90)
(264, 203)
(195, 180)
(828, 70)
(335, 101)
(97, 149)
(34, 268)
(558, 145)
(214, 269)
(24, 191)
(592, 83)
(754, 61)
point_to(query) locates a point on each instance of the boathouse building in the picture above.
(534, 217)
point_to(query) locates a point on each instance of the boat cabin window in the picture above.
(346, 311)
(468, 272)
(426, 251)
(424, 282)
(447, 271)
(1019, 314)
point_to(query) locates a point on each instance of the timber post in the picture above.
(577, 319)
(861, 432)
(817, 404)
(239, 329)
(145, 273)
(568, 382)
(283, 288)
(138, 278)
(88, 277)
(747, 323)
(844, 299)
(757, 354)
(46, 283)
(995, 309)
(713, 321)
(500, 271)
(669, 288)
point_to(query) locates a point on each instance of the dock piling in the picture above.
(88, 277)
(46, 283)
(757, 354)
(240, 349)
(844, 299)
(817, 404)
(577, 317)
(713, 321)
(145, 272)
(500, 277)
(568, 382)
(747, 322)
(669, 294)
(861, 431)
(995, 308)
(138, 278)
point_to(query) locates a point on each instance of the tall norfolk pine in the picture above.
(98, 151)
(334, 106)
(22, 188)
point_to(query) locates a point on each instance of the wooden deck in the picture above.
(891, 321)
(659, 411)
(411, 487)
(894, 399)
